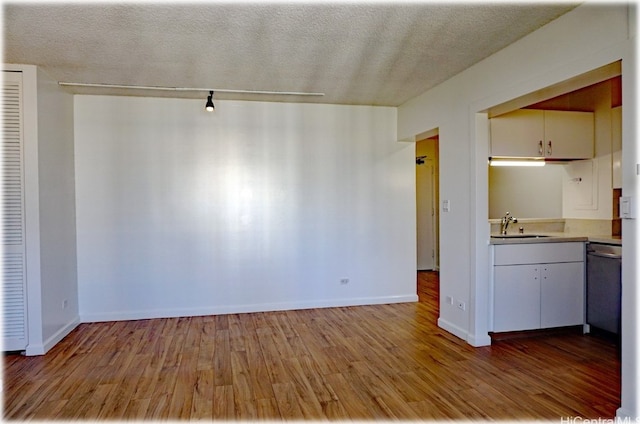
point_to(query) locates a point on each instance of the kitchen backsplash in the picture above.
(573, 226)
(588, 226)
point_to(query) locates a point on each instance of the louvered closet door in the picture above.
(14, 307)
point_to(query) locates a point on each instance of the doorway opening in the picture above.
(427, 200)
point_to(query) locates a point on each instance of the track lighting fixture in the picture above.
(210, 107)
(159, 88)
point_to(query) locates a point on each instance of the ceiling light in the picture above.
(210, 107)
(515, 162)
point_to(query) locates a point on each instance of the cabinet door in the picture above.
(568, 135)
(518, 134)
(516, 298)
(562, 294)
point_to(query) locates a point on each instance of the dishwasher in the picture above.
(604, 281)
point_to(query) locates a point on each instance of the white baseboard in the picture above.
(475, 340)
(452, 328)
(238, 309)
(34, 349)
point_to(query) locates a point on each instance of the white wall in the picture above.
(258, 206)
(57, 211)
(586, 38)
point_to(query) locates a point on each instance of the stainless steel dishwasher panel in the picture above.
(604, 265)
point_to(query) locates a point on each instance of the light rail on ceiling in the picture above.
(219, 90)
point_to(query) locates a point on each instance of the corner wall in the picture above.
(59, 285)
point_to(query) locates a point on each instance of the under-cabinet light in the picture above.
(516, 162)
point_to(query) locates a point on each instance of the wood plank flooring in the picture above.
(365, 362)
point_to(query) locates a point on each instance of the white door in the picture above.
(14, 306)
(425, 219)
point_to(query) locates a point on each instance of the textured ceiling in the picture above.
(355, 53)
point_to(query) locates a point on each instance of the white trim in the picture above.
(31, 204)
(239, 309)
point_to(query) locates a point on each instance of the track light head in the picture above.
(209, 106)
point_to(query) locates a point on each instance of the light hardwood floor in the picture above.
(365, 362)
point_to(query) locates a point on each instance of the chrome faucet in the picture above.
(504, 222)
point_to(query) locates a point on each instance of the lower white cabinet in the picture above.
(537, 286)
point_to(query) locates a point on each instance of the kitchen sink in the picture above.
(519, 236)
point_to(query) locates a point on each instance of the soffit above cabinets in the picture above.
(574, 94)
(582, 100)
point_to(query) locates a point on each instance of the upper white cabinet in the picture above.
(543, 134)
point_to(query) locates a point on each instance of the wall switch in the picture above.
(627, 207)
(65, 303)
(461, 305)
(449, 300)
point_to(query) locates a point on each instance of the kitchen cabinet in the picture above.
(538, 285)
(546, 134)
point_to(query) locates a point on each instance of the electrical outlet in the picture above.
(461, 305)
(344, 281)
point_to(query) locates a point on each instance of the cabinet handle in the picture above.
(540, 148)
(549, 149)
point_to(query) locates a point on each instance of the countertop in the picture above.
(551, 237)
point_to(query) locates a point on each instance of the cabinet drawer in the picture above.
(537, 253)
